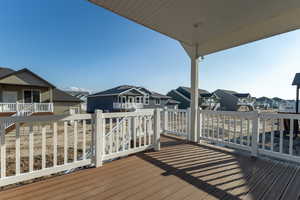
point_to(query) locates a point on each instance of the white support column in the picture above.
(194, 95)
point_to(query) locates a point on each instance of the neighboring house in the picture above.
(263, 103)
(234, 101)
(209, 101)
(82, 95)
(23, 92)
(127, 98)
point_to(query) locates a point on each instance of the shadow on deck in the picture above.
(178, 171)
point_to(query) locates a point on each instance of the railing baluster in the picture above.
(3, 151)
(75, 139)
(281, 136)
(234, 129)
(223, 128)
(263, 133)
(134, 132)
(18, 148)
(248, 132)
(84, 139)
(44, 129)
(212, 127)
(110, 137)
(140, 130)
(129, 133)
(123, 133)
(55, 144)
(65, 142)
(241, 132)
(291, 136)
(117, 135)
(272, 134)
(31, 146)
(218, 129)
(149, 129)
(145, 131)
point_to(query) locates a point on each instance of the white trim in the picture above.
(132, 89)
(159, 102)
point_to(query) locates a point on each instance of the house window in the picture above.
(157, 101)
(32, 96)
(146, 101)
(137, 99)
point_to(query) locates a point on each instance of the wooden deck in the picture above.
(178, 171)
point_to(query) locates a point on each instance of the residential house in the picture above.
(263, 103)
(128, 98)
(208, 101)
(82, 95)
(234, 101)
(23, 92)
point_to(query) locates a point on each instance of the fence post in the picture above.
(99, 138)
(165, 120)
(255, 134)
(188, 123)
(199, 135)
(157, 129)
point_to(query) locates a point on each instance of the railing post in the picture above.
(188, 124)
(199, 135)
(165, 120)
(133, 131)
(255, 134)
(99, 137)
(157, 129)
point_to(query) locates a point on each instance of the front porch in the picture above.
(23, 108)
(179, 170)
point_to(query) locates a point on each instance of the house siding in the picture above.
(184, 104)
(45, 95)
(228, 102)
(104, 103)
(63, 108)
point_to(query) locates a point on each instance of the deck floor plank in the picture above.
(179, 171)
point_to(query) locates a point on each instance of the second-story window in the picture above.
(157, 101)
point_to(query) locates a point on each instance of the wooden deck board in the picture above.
(178, 171)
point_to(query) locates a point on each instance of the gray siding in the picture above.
(228, 102)
(104, 103)
(184, 104)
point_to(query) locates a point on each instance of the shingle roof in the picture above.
(5, 71)
(61, 96)
(120, 89)
(114, 91)
(200, 91)
(172, 101)
(296, 80)
(241, 95)
(158, 95)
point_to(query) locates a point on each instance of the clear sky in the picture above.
(73, 43)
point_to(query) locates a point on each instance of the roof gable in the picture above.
(23, 77)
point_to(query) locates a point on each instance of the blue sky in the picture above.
(73, 43)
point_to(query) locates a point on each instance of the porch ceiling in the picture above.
(212, 25)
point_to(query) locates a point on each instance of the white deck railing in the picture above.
(258, 133)
(45, 145)
(117, 105)
(26, 107)
(49, 145)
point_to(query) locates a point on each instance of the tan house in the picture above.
(25, 93)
